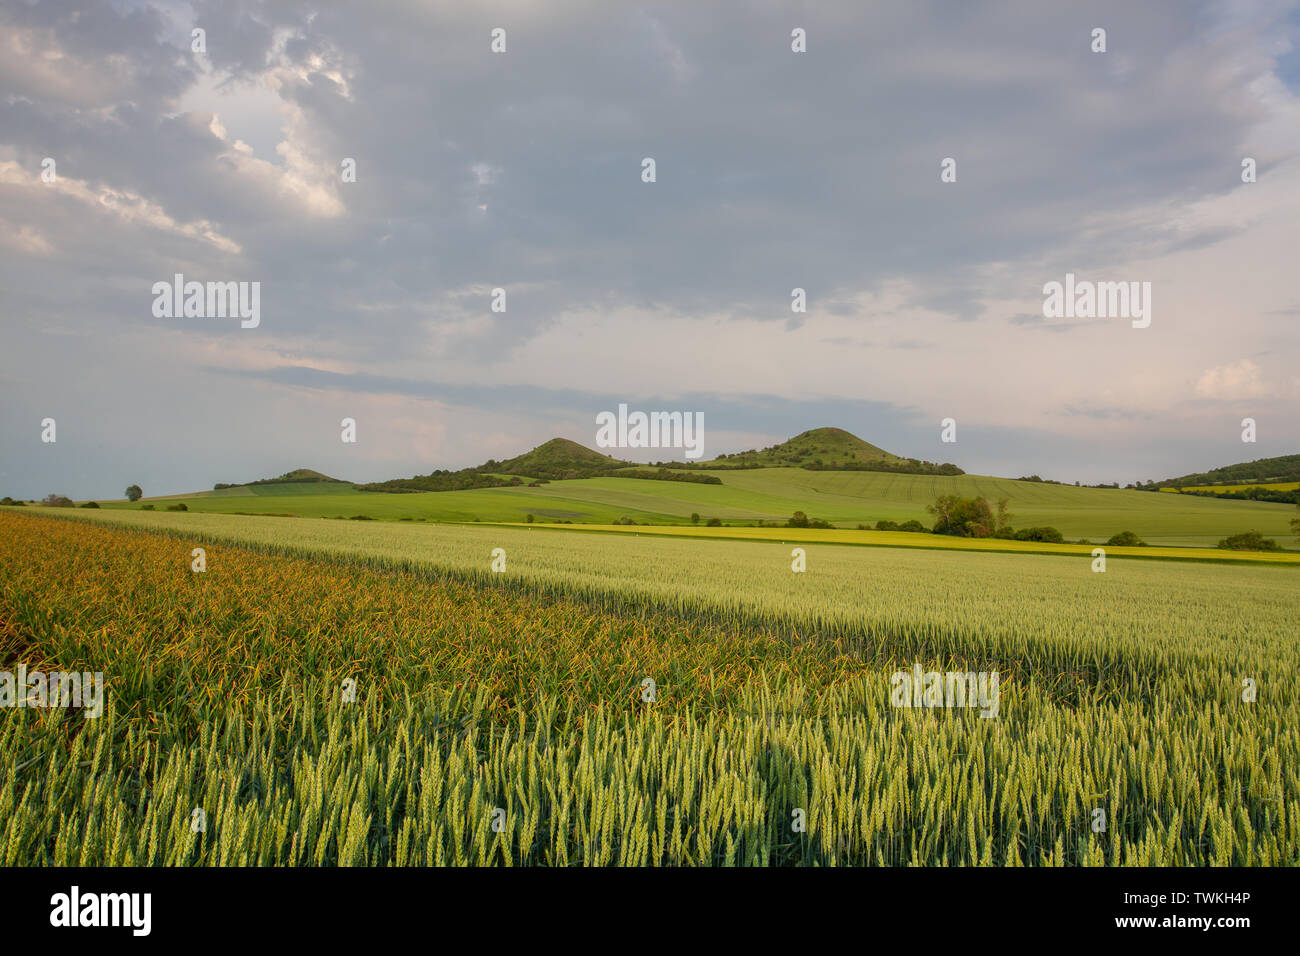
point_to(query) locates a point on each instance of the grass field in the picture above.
(522, 691)
(773, 494)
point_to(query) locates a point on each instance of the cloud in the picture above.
(1237, 380)
(776, 170)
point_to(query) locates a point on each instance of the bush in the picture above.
(353, 518)
(801, 520)
(913, 525)
(179, 506)
(625, 520)
(6, 500)
(1248, 541)
(1126, 539)
(1040, 534)
(714, 523)
(57, 501)
(89, 504)
(964, 517)
(883, 525)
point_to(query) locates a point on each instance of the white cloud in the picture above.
(1236, 380)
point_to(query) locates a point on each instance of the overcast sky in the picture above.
(523, 170)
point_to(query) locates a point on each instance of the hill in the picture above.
(1259, 471)
(556, 460)
(297, 475)
(1264, 479)
(830, 449)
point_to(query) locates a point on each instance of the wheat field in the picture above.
(501, 718)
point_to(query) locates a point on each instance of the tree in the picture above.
(133, 493)
(1004, 518)
(965, 517)
(695, 517)
(57, 501)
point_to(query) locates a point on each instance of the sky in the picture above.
(523, 170)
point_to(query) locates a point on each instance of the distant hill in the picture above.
(830, 449)
(820, 449)
(1264, 479)
(1261, 471)
(554, 460)
(557, 459)
(297, 475)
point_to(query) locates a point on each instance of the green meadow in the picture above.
(845, 498)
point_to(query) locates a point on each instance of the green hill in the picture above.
(828, 473)
(297, 475)
(557, 459)
(1284, 468)
(830, 449)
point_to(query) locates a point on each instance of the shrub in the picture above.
(801, 520)
(179, 506)
(89, 504)
(57, 501)
(6, 500)
(1248, 541)
(1040, 534)
(714, 523)
(146, 507)
(913, 525)
(883, 525)
(357, 517)
(1126, 539)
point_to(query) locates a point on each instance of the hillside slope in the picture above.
(830, 449)
(556, 459)
(1284, 468)
(846, 498)
(297, 475)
